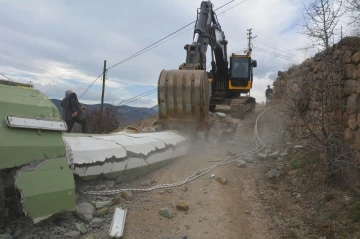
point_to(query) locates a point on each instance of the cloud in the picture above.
(60, 45)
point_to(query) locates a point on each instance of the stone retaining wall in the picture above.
(327, 88)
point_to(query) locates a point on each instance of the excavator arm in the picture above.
(184, 94)
(207, 31)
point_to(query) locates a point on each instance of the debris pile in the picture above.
(221, 126)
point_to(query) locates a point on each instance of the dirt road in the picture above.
(233, 210)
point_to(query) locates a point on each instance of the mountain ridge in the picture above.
(127, 114)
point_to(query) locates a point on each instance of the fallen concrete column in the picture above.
(113, 155)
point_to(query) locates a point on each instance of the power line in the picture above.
(153, 44)
(125, 101)
(6, 77)
(86, 90)
(138, 97)
(231, 7)
(285, 52)
(275, 54)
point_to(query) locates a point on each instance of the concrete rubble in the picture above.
(118, 223)
(221, 127)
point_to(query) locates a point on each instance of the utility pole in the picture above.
(249, 38)
(103, 88)
(341, 37)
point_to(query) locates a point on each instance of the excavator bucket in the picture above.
(183, 98)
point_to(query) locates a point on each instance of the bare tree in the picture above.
(353, 8)
(320, 20)
(103, 123)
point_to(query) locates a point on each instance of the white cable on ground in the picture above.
(198, 173)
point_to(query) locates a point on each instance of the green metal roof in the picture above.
(19, 146)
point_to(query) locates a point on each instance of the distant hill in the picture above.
(127, 114)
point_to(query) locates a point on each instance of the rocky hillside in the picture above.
(127, 114)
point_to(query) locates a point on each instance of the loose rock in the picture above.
(85, 211)
(121, 179)
(72, 234)
(249, 159)
(297, 181)
(81, 228)
(127, 195)
(274, 155)
(102, 211)
(222, 115)
(184, 188)
(147, 182)
(6, 236)
(110, 184)
(240, 163)
(273, 173)
(262, 156)
(56, 231)
(283, 156)
(230, 153)
(182, 206)
(161, 192)
(168, 190)
(100, 187)
(247, 212)
(292, 173)
(221, 180)
(298, 146)
(166, 212)
(116, 200)
(99, 205)
(96, 222)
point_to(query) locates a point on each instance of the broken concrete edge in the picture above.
(130, 155)
(92, 167)
(127, 153)
(40, 195)
(130, 174)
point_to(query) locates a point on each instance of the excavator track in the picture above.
(240, 106)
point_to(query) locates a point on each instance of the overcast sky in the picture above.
(61, 44)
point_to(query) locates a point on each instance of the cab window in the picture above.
(240, 67)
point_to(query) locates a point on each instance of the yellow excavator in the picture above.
(186, 95)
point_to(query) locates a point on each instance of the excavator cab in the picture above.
(240, 73)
